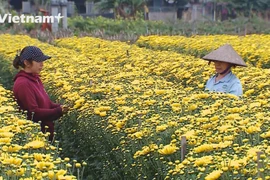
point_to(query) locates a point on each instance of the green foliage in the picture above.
(132, 7)
(250, 4)
(259, 26)
(96, 147)
(3, 6)
(29, 26)
(112, 27)
(103, 27)
(6, 73)
(246, 6)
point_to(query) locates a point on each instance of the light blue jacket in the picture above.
(228, 84)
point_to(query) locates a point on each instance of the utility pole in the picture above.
(215, 6)
(59, 6)
(63, 5)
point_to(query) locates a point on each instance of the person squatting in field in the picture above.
(224, 80)
(29, 91)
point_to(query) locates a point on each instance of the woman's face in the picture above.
(221, 66)
(34, 68)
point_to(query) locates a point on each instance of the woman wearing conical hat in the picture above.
(224, 80)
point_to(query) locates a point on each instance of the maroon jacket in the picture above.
(31, 96)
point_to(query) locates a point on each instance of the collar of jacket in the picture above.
(30, 76)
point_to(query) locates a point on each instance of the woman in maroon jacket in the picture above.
(29, 90)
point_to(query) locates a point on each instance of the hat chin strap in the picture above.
(226, 70)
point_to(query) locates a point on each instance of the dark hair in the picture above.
(17, 61)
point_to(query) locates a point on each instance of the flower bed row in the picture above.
(131, 106)
(166, 120)
(187, 71)
(24, 151)
(254, 49)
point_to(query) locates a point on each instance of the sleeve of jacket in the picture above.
(27, 98)
(55, 105)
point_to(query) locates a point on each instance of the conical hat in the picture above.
(227, 54)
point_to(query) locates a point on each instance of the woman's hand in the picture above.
(65, 109)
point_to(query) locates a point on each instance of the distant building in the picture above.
(161, 10)
(190, 10)
(16, 4)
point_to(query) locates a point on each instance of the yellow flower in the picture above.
(172, 123)
(120, 124)
(214, 118)
(214, 175)
(104, 108)
(5, 140)
(20, 172)
(179, 167)
(174, 108)
(12, 148)
(117, 88)
(160, 91)
(224, 128)
(6, 135)
(35, 144)
(153, 147)
(252, 152)
(237, 164)
(135, 82)
(44, 165)
(265, 135)
(61, 172)
(97, 111)
(137, 135)
(189, 134)
(206, 112)
(201, 86)
(38, 156)
(78, 165)
(203, 161)
(12, 161)
(253, 129)
(130, 130)
(149, 102)
(61, 177)
(263, 102)
(260, 86)
(233, 116)
(255, 104)
(204, 148)
(161, 128)
(145, 150)
(176, 105)
(103, 113)
(192, 107)
(51, 175)
(168, 149)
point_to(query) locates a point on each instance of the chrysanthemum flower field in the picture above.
(25, 152)
(254, 49)
(131, 106)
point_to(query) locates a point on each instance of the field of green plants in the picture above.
(131, 104)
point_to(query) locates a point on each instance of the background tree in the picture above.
(130, 8)
(3, 6)
(122, 8)
(246, 7)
